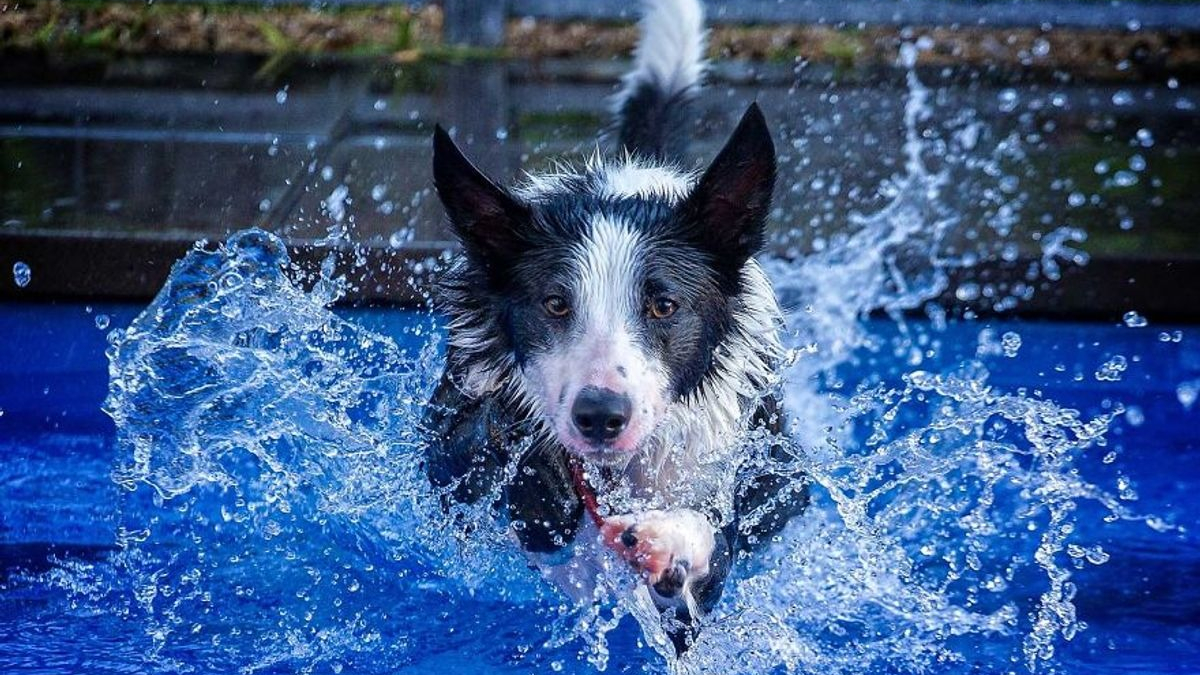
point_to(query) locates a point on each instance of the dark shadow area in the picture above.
(110, 168)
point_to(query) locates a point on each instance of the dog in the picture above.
(613, 343)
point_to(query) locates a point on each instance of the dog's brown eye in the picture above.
(556, 305)
(661, 308)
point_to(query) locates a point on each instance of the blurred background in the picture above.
(130, 130)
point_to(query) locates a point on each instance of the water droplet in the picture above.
(1111, 370)
(1122, 97)
(281, 96)
(1135, 416)
(1096, 555)
(1145, 137)
(1010, 344)
(1126, 489)
(380, 105)
(1008, 100)
(1137, 163)
(1134, 320)
(1076, 199)
(967, 292)
(102, 321)
(378, 192)
(1101, 167)
(1124, 178)
(400, 237)
(501, 134)
(264, 205)
(335, 203)
(1187, 393)
(22, 274)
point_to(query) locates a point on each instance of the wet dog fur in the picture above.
(612, 320)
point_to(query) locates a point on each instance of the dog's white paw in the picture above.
(670, 548)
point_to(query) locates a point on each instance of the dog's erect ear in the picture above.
(486, 219)
(727, 210)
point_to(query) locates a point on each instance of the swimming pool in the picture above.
(226, 479)
(320, 595)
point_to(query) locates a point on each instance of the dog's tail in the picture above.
(654, 105)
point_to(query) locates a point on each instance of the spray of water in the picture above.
(280, 446)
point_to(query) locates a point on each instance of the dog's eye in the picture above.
(556, 305)
(661, 308)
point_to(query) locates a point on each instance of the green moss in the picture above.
(844, 49)
(404, 32)
(461, 53)
(1177, 172)
(276, 40)
(545, 126)
(104, 38)
(416, 77)
(1157, 230)
(26, 190)
(46, 36)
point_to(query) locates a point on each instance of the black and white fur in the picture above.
(613, 315)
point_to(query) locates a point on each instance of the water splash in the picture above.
(280, 445)
(21, 274)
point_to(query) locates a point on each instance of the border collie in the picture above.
(613, 342)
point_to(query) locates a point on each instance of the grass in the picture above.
(279, 32)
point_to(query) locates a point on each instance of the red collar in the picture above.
(585, 491)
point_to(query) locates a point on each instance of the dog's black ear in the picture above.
(727, 210)
(485, 218)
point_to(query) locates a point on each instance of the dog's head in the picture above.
(605, 294)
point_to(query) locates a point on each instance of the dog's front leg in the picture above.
(672, 549)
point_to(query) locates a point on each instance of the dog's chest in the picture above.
(688, 474)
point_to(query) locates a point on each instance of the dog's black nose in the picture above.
(600, 414)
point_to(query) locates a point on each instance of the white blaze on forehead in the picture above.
(608, 261)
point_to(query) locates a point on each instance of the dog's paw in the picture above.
(669, 548)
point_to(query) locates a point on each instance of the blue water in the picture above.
(327, 596)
